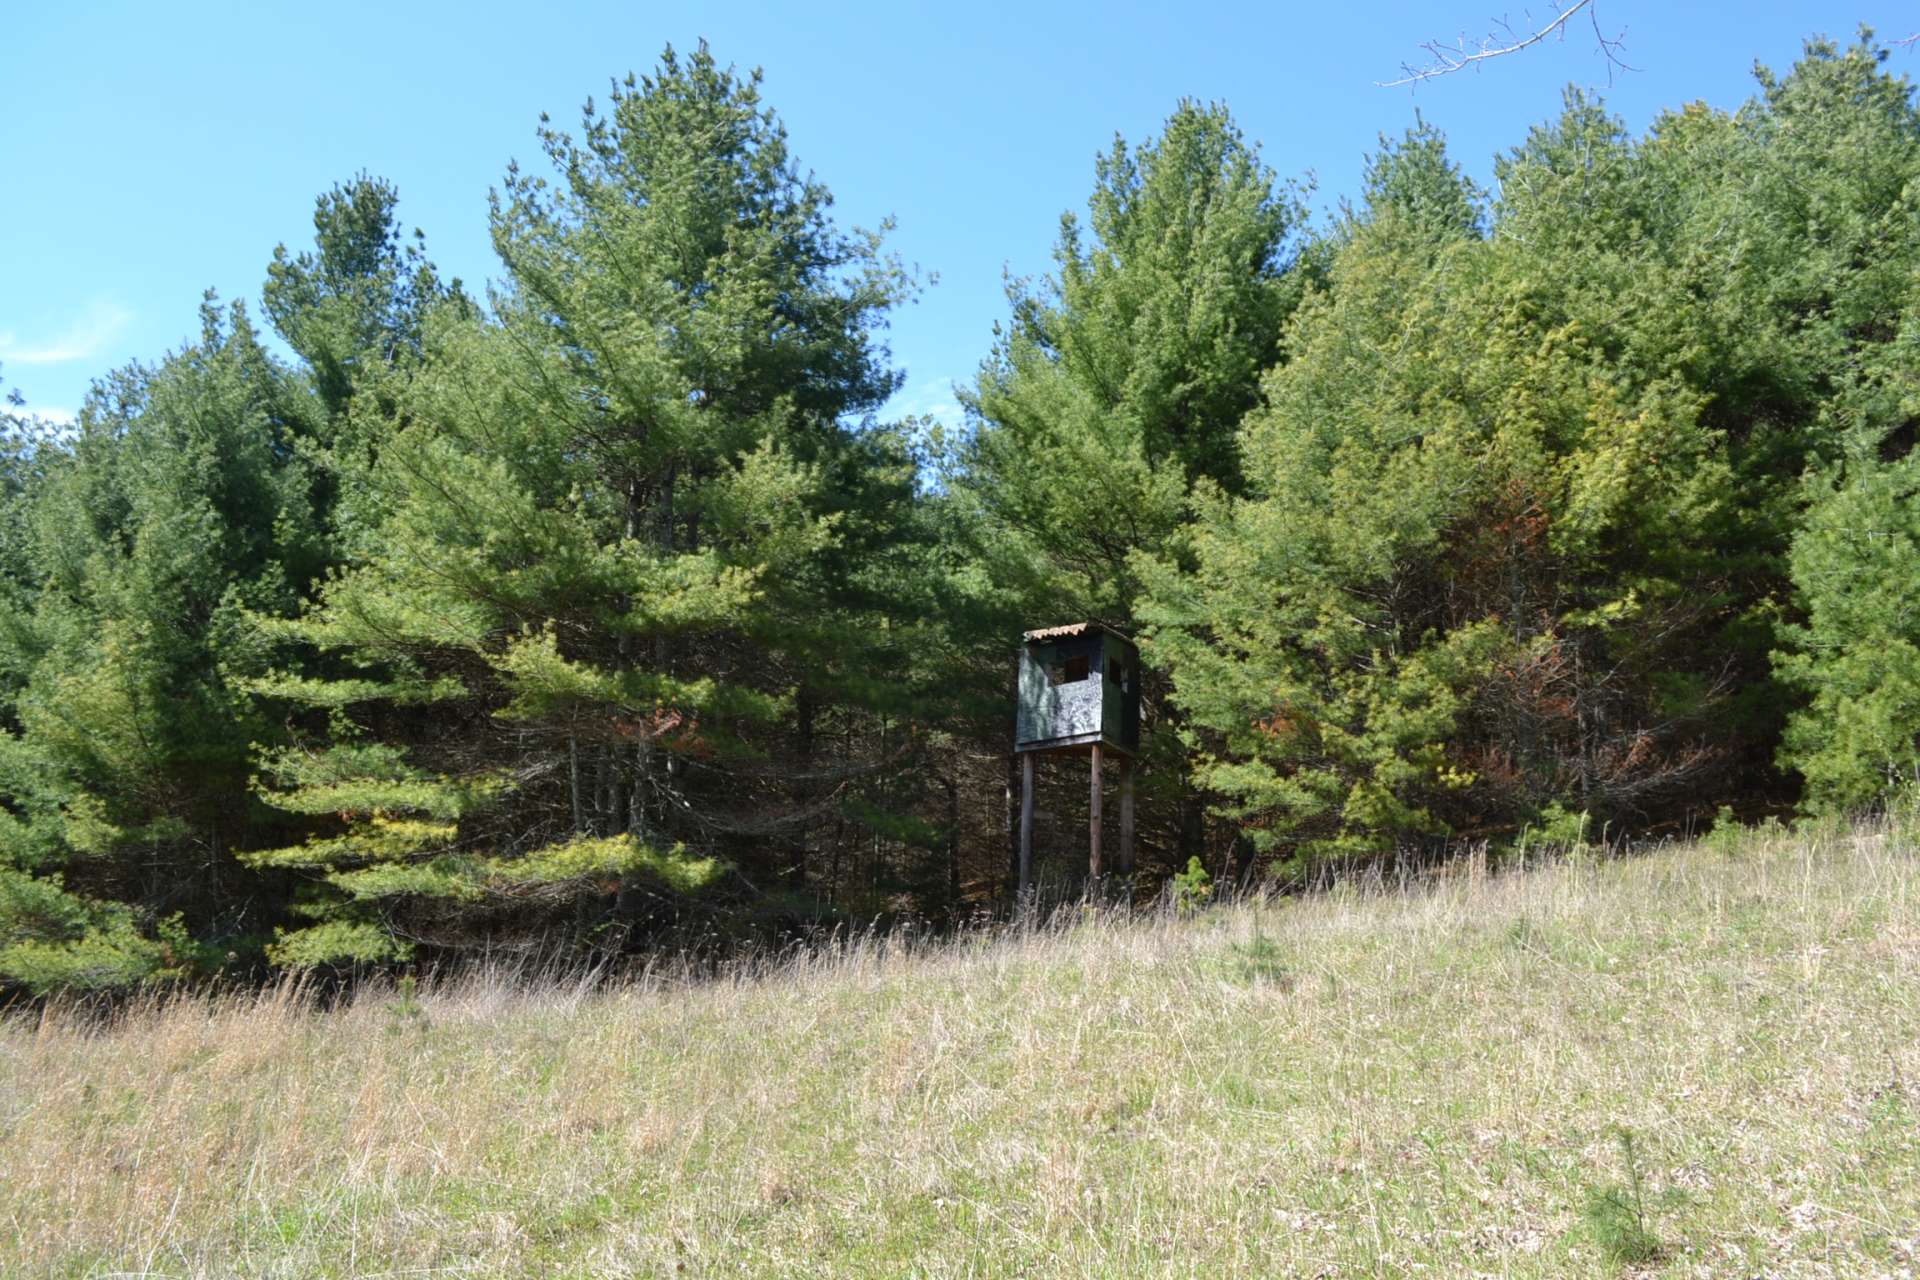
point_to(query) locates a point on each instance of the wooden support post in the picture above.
(1126, 815)
(1093, 820)
(1026, 823)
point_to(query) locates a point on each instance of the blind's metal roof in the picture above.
(1072, 629)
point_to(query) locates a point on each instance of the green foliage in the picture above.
(405, 1012)
(589, 612)
(1727, 836)
(335, 942)
(1414, 181)
(1121, 378)
(355, 305)
(606, 566)
(1516, 509)
(1191, 888)
(1616, 1215)
(53, 940)
(1262, 960)
(1856, 565)
(1557, 830)
(180, 504)
(194, 498)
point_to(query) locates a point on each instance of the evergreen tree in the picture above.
(1119, 380)
(180, 505)
(1413, 179)
(610, 607)
(1845, 178)
(613, 545)
(1516, 529)
(194, 497)
(1857, 567)
(355, 304)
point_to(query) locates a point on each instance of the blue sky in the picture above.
(153, 151)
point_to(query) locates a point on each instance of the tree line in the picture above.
(604, 610)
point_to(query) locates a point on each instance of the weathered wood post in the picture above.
(1026, 823)
(1093, 819)
(1079, 690)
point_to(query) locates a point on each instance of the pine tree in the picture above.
(180, 506)
(611, 565)
(195, 497)
(1517, 513)
(1120, 380)
(355, 304)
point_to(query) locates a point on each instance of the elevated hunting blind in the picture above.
(1079, 691)
(1079, 685)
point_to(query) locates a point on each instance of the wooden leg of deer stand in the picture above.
(1093, 820)
(1126, 816)
(1026, 824)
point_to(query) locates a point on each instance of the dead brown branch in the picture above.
(1462, 54)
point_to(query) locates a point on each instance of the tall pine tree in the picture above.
(604, 583)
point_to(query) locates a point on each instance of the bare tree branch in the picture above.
(1447, 58)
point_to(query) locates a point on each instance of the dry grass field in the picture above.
(1703, 1061)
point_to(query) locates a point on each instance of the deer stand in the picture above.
(1079, 691)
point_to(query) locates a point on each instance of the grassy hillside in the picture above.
(1701, 1062)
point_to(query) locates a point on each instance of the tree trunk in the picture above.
(804, 711)
(953, 841)
(573, 783)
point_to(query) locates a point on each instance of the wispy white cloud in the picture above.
(929, 398)
(96, 326)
